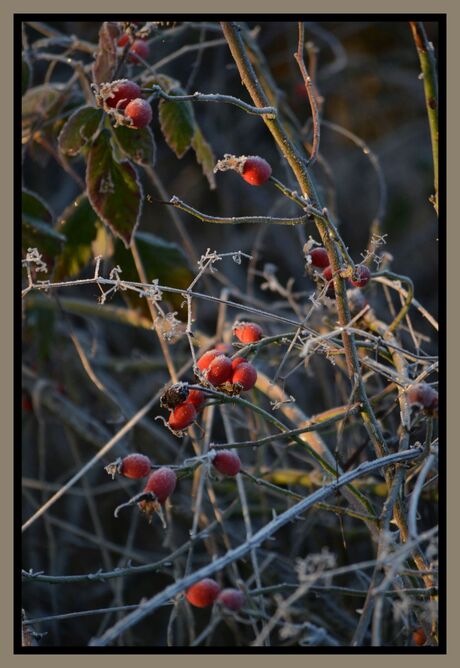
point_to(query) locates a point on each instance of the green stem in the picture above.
(426, 57)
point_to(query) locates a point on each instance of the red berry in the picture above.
(219, 371)
(256, 170)
(206, 359)
(203, 593)
(162, 483)
(424, 396)
(245, 375)
(182, 416)
(327, 273)
(135, 466)
(237, 361)
(227, 462)
(361, 276)
(123, 91)
(139, 48)
(123, 40)
(27, 406)
(233, 599)
(197, 398)
(419, 637)
(319, 257)
(247, 332)
(140, 112)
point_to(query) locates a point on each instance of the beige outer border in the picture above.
(8, 7)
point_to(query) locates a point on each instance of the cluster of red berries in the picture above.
(161, 483)
(215, 368)
(125, 95)
(319, 259)
(205, 592)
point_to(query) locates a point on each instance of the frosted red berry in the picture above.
(138, 48)
(162, 483)
(197, 398)
(237, 361)
(247, 332)
(206, 359)
(424, 396)
(245, 375)
(135, 466)
(319, 258)
(140, 113)
(219, 371)
(203, 593)
(227, 462)
(122, 92)
(233, 599)
(361, 276)
(182, 416)
(256, 170)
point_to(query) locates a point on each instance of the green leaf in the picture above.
(26, 74)
(114, 189)
(161, 260)
(79, 129)
(79, 225)
(106, 58)
(37, 229)
(138, 145)
(177, 123)
(205, 156)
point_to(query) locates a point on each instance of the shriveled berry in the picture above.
(247, 332)
(122, 92)
(219, 371)
(256, 170)
(138, 48)
(246, 375)
(203, 593)
(233, 599)
(227, 462)
(135, 466)
(361, 276)
(206, 359)
(237, 361)
(174, 396)
(162, 483)
(319, 257)
(419, 637)
(424, 396)
(182, 416)
(197, 398)
(140, 113)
